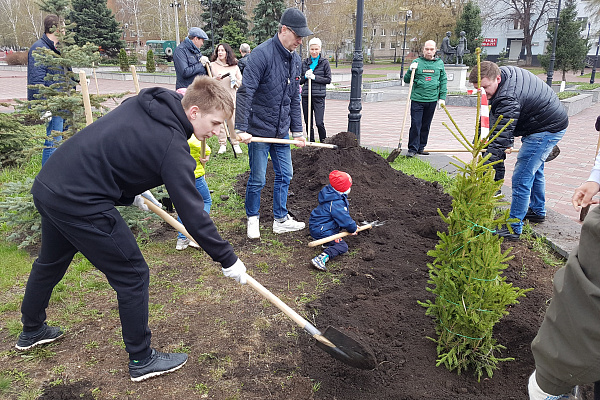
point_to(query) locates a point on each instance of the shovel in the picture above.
(332, 341)
(396, 152)
(291, 141)
(328, 239)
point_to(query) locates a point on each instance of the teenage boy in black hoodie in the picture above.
(139, 145)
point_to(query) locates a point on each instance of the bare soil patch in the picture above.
(242, 348)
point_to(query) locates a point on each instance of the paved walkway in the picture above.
(381, 124)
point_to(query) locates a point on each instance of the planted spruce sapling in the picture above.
(466, 275)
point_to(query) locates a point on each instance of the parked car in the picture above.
(162, 48)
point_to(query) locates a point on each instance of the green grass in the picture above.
(15, 263)
(566, 95)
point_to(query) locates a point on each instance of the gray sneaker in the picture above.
(45, 334)
(157, 364)
(289, 225)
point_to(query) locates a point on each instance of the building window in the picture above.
(382, 31)
(392, 45)
(374, 32)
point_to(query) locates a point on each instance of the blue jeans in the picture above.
(202, 188)
(528, 183)
(281, 156)
(421, 115)
(50, 144)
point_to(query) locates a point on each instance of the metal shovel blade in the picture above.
(347, 350)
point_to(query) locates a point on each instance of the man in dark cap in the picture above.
(269, 106)
(187, 58)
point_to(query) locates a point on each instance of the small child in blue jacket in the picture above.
(331, 216)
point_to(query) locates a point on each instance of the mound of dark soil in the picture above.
(386, 276)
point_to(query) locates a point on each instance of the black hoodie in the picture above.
(139, 145)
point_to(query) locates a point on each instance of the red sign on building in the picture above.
(489, 42)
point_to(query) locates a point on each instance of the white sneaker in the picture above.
(237, 149)
(536, 393)
(289, 225)
(222, 149)
(253, 227)
(182, 244)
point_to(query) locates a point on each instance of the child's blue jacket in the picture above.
(331, 215)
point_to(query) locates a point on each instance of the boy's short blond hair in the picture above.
(208, 95)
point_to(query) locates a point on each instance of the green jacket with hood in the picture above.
(430, 80)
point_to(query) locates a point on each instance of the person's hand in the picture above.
(138, 201)
(299, 138)
(47, 116)
(237, 271)
(508, 150)
(309, 74)
(204, 60)
(414, 65)
(233, 83)
(243, 137)
(584, 194)
(204, 160)
(441, 102)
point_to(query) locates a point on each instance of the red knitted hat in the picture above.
(340, 181)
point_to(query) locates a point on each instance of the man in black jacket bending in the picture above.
(541, 121)
(138, 146)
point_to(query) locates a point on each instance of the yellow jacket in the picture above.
(195, 149)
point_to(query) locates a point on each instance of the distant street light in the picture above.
(585, 58)
(553, 55)
(175, 6)
(595, 62)
(408, 15)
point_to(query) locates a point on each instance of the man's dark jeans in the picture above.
(421, 115)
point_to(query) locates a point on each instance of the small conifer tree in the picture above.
(123, 60)
(471, 294)
(150, 64)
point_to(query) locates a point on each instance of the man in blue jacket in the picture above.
(36, 75)
(269, 106)
(187, 58)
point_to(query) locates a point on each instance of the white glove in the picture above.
(203, 60)
(47, 116)
(441, 102)
(237, 271)
(414, 65)
(138, 201)
(309, 74)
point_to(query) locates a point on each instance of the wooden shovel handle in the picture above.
(337, 236)
(85, 93)
(291, 141)
(168, 219)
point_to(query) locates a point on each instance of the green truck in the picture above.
(162, 48)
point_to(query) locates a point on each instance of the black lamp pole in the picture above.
(357, 69)
(584, 58)
(595, 62)
(408, 15)
(553, 55)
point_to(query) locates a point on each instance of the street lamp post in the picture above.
(408, 15)
(357, 68)
(585, 58)
(595, 62)
(175, 6)
(553, 55)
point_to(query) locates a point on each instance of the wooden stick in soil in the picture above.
(86, 98)
(292, 141)
(584, 210)
(135, 79)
